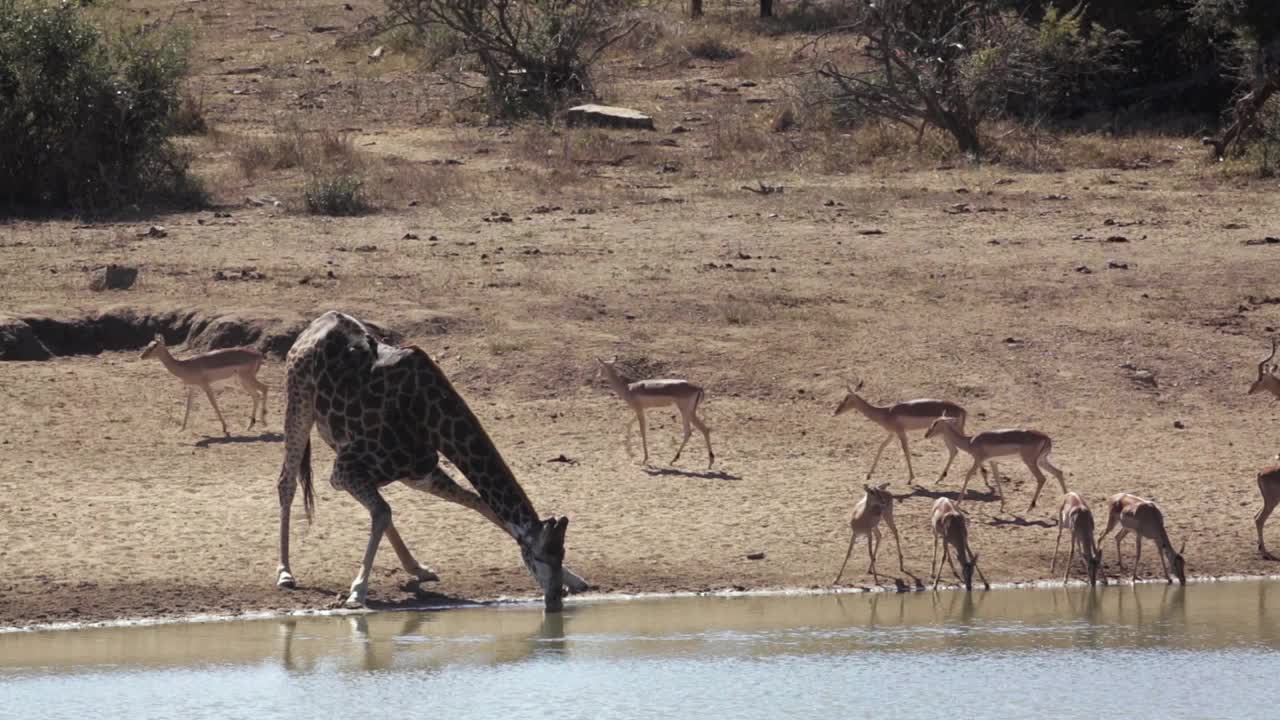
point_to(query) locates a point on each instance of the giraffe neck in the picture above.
(461, 438)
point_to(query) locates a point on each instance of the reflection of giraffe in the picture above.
(388, 412)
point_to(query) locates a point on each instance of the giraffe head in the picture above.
(542, 548)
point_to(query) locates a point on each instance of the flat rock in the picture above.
(608, 116)
(113, 277)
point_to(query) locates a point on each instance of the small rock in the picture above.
(365, 248)
(1056, 196)
(1005, 181)
(755, 556)
(1116, 239)
(958, 209)
(679, 129)
(377, 53)
(871, 231)
(1083, 269)
(325, 28)
(410, 236)
(113, 277)
(155, 231)
(544, 209)
(1178, 424)
(561, 458)
(1268, 240)
(1117, 265)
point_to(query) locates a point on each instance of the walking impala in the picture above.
(1267, 379)
(644, 394)
(898, 418)
(1144, 519)
(1075, 515)
(1031, 445)
(1269, 486)
(876, 505)
(201, 371)
(951, 526)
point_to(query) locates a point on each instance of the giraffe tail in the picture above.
(308, 491)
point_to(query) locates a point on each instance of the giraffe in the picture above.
(388, 412)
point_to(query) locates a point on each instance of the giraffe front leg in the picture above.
(367, 494)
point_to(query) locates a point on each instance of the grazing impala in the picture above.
(201, 371)
(898, 418)
(876, 505)
(1267, 379)
(1031, 445)
(1075, 515)
(644, 394)
(952, 527)
(1269, 486)
(1144, 519)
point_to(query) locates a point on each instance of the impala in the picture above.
(644, 394)
(201, 371)
(1031, 445)
(876, 505)
(1144, 519)
(951, 527)
(898, 418)
(1075, 515)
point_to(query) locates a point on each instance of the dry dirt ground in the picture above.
(961, 282)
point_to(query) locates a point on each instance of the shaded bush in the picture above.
(335, 195)
(536, 55)
(86, 115)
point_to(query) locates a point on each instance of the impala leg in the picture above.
(630, 423)
(847, 553)
(995, 477)
(986, 585)
(873, 547)
(893, 528)
(688, 430)
(1164, 566)
(706, 435)
(1259, 520)
(1137, 554)
(1040, 480)
(1071, 556)
(1054, 471)
(1119, 536)
(1053, 565)
(906, 453)
(191, 391)
(251, 386)
(644, 435)
(967, 476)
(879, 450)
(934, 561)
(951, 456)
(208, 391)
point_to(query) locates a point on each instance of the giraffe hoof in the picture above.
(286, 581)
(354, 601)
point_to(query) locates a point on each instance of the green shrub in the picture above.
(86, 115)
(335, 195)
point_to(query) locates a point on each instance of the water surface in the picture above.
(1203, 651)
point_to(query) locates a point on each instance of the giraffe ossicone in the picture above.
(389, 413)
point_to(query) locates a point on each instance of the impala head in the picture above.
(152, 346)
(1265, 376)
(542, 549)
(879, 492)
(937, 426)
(1094, 563)
(847, 403)
(966, 570)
